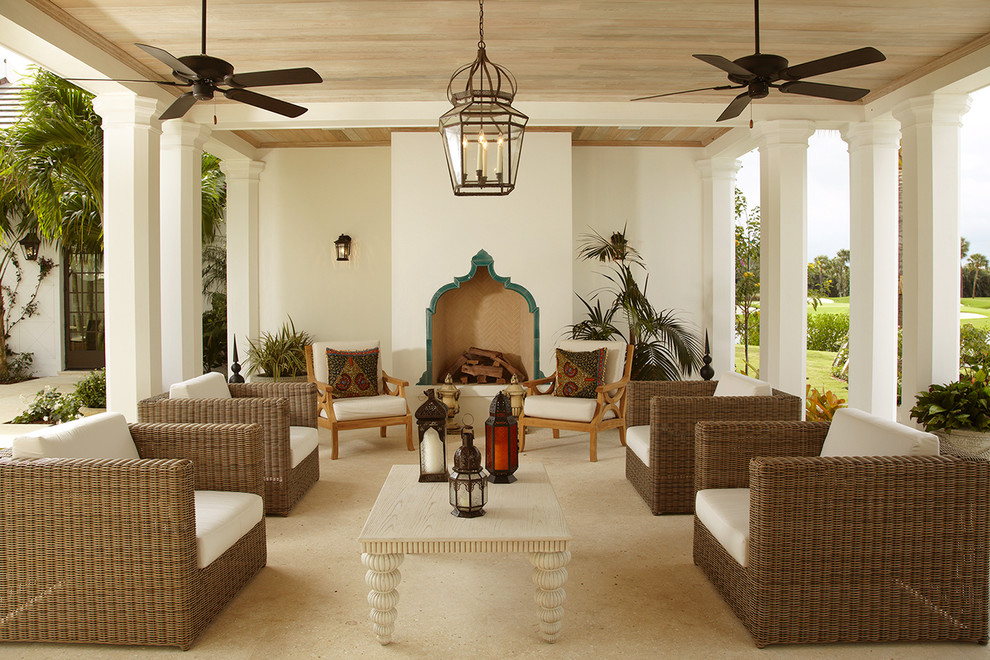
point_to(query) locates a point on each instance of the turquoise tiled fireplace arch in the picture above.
(485, 261)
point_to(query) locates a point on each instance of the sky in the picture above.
(828, 179)
(828, 184)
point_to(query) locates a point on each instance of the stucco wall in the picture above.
(42, 333)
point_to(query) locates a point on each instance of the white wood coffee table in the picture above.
(414, 518)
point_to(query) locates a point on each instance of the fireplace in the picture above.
(482, 310)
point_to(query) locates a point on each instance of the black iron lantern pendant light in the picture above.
(482, 133)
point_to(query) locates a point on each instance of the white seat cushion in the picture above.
(857, 433)
(547, 406)
(320, 371)
(222, 518)
(302, 441)
(99, 436)
(638, 442)
(725, 513)
(731, 383)
(367, 407)
(207, 386)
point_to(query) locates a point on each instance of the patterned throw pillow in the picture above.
(578, 374)
(353, 373)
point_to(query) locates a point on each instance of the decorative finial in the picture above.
(235, 367)
(706, 371)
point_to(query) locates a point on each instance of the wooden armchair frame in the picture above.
(851, 548)
(103, 551)
(610, 397)
(390, 386)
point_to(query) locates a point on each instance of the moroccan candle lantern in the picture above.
(431, 421)
(468, 492)
(501, 441)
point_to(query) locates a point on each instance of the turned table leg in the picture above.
(550, 576)
(383, 577)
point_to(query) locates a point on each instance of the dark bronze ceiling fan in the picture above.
(207, 75)
(760, 72)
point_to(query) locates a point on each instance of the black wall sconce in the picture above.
(30, 244)
(343, 247)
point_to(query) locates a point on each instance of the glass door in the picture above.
(84, 327)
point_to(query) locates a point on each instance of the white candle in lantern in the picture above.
(432, 452)
(498, 161)
(481, 153)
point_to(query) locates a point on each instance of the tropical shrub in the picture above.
(754, 327)
(964, 404)
(821, 406)
(49, 407)
(278, 355)
(827, 332)
(974, 349)
(91, 390)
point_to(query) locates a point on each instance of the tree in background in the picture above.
(747, 276)
(976, 264)
(664, 347)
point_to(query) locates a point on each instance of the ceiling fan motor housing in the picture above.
(764, 67)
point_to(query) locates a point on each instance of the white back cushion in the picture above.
(857, 433)
(207, 386)
(615, 354)
(320, 355)
(731, 383)
(99, 436)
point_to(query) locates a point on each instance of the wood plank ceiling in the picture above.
(559, 50)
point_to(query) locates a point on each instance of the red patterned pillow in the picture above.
(353, 373)
(580, 374)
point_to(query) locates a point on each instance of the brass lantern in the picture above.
(468, 485)
(431, 422)
(449, 394)
(482, 133)
(501, 442)
(516, 394)
(342, 246)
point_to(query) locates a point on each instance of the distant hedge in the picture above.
(826, 332)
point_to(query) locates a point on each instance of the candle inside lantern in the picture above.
(482, 154)
(432, 452)
(498, 160)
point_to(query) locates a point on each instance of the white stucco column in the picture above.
(930, 217)
(132, 297)
(182, 253)
(718, 181)
(242, 253)
(873, 265)
(784, 252)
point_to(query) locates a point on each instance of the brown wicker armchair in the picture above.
(276, 407)
(846, 549)
(671, 409)
(104, 550)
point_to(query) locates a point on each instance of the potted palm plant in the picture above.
(280, 356)
(958, 412)
(665, 348)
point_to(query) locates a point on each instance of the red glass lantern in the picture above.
(501, 441)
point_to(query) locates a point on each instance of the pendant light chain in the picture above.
(481, 24)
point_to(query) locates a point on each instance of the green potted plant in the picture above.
(279, 356)
(91, 392)
(958, 412)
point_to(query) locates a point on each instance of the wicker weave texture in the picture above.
(672, 409)
(851, 549)
(104, 551)
(275, 406)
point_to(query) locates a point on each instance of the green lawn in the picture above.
(819, 370)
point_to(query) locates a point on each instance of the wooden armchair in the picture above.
(106, 550)
(286, 413)
(389, 408)
(542, 409)
(660, 434)
(841, 548)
